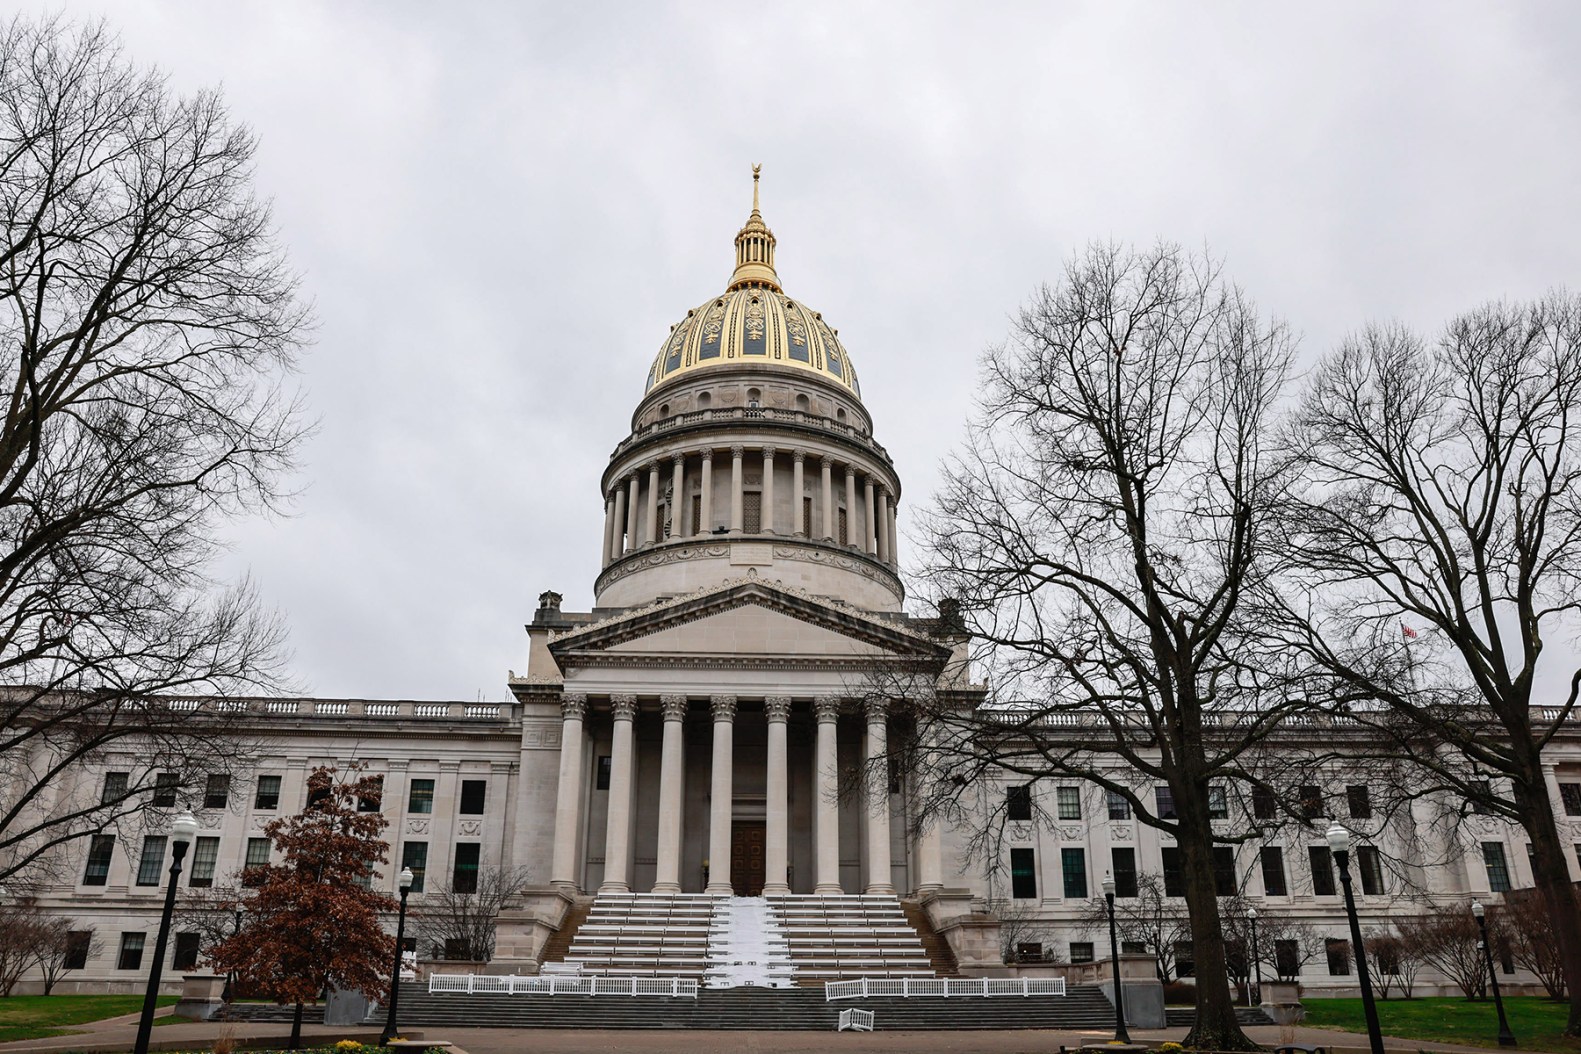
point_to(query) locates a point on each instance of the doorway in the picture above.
(746, 859)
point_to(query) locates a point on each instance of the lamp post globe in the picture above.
(1506, 1037)
(1339, 846)
(1121, 1035)
(404, 882)
(182, 830)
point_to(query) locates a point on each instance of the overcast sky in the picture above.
(500, 209)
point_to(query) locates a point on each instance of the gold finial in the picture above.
(755, 247)
(757, 172)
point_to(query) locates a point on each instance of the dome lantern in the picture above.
(755, 248)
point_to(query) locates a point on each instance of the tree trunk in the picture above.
(296, 1029)
(1551, 873)
(1216, 1026)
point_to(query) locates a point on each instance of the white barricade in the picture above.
(909, 987)
(856, 1020)
(561, 984)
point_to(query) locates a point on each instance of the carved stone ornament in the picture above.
(259, 822)
(877, 711)
(623, 707)
(798, 456)
(1021, 832)
(738, 452)
(573, 706)
(1071, 833)
(674, 707)
(827, 708)
(777, 707)
(1120, 832)
(669, 555)
(471, 827)
(416, 826)
(768, 453)
(209, 820)
(723, 706)
(678, 458)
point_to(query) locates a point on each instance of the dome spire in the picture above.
(755, 248)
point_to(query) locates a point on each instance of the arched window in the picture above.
(803, 403)
(703, 399)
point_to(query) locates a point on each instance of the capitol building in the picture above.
(694, 736)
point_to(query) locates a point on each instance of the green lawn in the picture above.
(1537, 1023)
(37, 1016)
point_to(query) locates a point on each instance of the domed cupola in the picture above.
(751, 453)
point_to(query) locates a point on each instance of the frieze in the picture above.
(209, 820)
(416, 826)
(1120, 832)
(471, 827)
(1071, 833)
(658, 559)
(1021, 832)
(543, 735)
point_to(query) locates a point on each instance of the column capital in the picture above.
(679, 457)
(738, 451)
(674, 707)
(655, 465)
(707, 455)
(826, 460)
(623, 707)
(877, 710)
(723, 706)
(850, 470)
(768, 452)
(573, 706)
(798, 455)
(871, 480)
(827, 708)
(777, 707)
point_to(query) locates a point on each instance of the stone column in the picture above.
(828, 495)
(883, 522)
(632, 539)
(609, 529)
(877, 797)
(705, 524)
(617, 836)
(723, 793)
(652, 533)
(798, 494)
(776, 829)
(766, 499)
(618, 530)
(736, 454)
(894, 546)
(851, 526)
(826, 780)
(564, 871)
(678, 497)
(930, 864)
(869, 535)
(672, 769)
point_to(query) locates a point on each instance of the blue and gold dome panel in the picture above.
(753, 324)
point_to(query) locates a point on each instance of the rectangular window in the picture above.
(1023, 874)
(131, 957)
(268, 796)
(375, 801)
(1174, 881)
(806, 518)
(1570, 796)
(78, 944)
(1068, 799)
(1359, 802)
(316, 795)
(1119, 808)
(185, 956)
(1264, 805)
(414, 855)
(457, 949)
(1481, 790)
(1018, 802)
(472, 794)
(205, 853)
(1506, 954)
(843, 527)
(164, 793)
(1133, 947)
(1498, 867)
(1123, 860)
(1074, 863)
(1029, 952)
(1338, 952)
(1164, 802)
(1273, 860)
(1218, 803)
(1185, 960)
(115, 785)
(1287, 959)
(603, 774)
(1322, 870)
(752, 512)
(216, 791)
(153, 860)
(257, 856)
(1081, 951)
(1224, 884)
(464, 878)
(420, 797)
(1311, 798)
(1370, 864)
(697, 514)
(97, 873)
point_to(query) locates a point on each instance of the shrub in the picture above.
(1179, 993)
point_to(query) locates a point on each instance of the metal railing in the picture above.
(556, 984)
(943, 987)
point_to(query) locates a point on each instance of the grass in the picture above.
(38, 1016)
(1537, 1023)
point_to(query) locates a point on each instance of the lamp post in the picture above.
(1506, 1037)
(405, 882)
(1339, 845)
(1120, 1034)
(1257, 962)
(182, 831)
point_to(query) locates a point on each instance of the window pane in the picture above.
(100, 851)
(204, 854)
(1498, 869)
(414, 855)
(465, 878)
(216, 791)
(472, 794)
(752, 512)
(1074, 863)
(1359, 802)
(78, 943)
(153, 860)
(1311, 797)
(1069, 800)
(1224, 871)
(185, 956)
(1370, 864)
(1287, 959)
(165, 789)
(1023, 874)
(1081, 951)
(1264, 805)
(115, 784)
(1338, 956)
(1218, 803)
(1119, 808)
(1018, 802)
(374, 803)
(1174, 882)
(603, 774)
(1322, 870)
(1124, 865)
(1570, 795)
(420, 799)
(257, 856)
(1164, 799)
(1273, 859)
(131, 957)
(268, 796)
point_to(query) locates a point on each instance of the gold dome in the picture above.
(754, 322)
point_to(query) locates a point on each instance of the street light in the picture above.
(1120, 1034)
(405, 882)
(1339, 845)
(1506, 1037)
(1257, 963)
(182, 831)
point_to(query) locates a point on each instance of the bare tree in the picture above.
(1437, 548)
(459, 922)
(1152, 919)
(1100, 530)
(1530, 931)
(24, 932)
(147, 324)
(1446, 937)
(56, 943)
(1020, 923)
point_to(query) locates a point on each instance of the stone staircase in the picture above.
(849, 936)
(938, 949)
(559, 942)
(644, 935)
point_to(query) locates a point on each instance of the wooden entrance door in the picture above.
(746, 859)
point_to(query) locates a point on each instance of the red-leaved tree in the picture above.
(309, 922)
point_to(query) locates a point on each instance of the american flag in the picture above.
(1410, 634)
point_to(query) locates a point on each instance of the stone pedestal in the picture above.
(200, 996)
(973, 936)
(522, 929)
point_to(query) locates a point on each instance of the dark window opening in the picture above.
(185, 956)
(1498, 867)
(216, 791)
(1273, 860)
(1224, 884)
(115, 787)
(603, 773)
(420, 796)
(1370, 863)
(1028, 952)
(268, 795)
(1218, 803)
(473, 793)
(1185, 960)
(414, 856)
(78, 943)
(464, 878)
(1164, 801)
(1174, 881)
(131, 957)
(1570, 795)
(1123, 860)
(205, 854)
(1023, 874)
(153, 860)
(1073, 862)
(1264, 805)
(1081, 951)
(100, 850)
(374, 801)
(165, 784)
(1359, 801)
(1338, 952)
(1119, 807)
(1287, 959)
(1322, 870)
(1311, 798)
(1018, 802)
